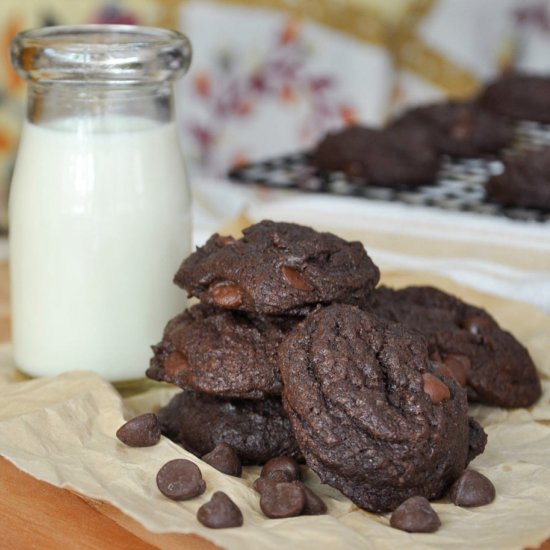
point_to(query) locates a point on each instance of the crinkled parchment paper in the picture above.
(62, 430)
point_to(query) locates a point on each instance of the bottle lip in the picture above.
(100, 54)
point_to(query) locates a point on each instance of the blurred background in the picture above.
(271, 77)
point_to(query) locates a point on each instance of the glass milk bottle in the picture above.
(100, 203)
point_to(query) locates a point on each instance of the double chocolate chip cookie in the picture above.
(278, 268)
(389, 157)
(258, 430)
(493, 366)
(372, 414)
(221, 352)
(519, 96)
(458, 129)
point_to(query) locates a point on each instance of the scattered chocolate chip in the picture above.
(180, 479)
(415, 515)
(224, 458)
(280, 476)
(285, 464)
(314, 505)
(141, 431)
(295, 279)
(227, 294)
(262, 482)
(460, 367)
(472, 489)
(435, 388)
(282, 500)
(477, 324)
(220, 512)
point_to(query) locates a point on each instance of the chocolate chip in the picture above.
(472, 489)
(442, 370)
(227, 295)
(415, 515)
(285, 464)
(224, 458)
(175, 363)
(314, 505)
(295, 279)
(220, 512)
(262, 482)
(282, 500)
(435, 388)
(477, 324)
(224, 240)
(280, 476)
(180, 479)
(141, 431)
(460, 366)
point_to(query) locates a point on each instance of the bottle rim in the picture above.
(100, 54)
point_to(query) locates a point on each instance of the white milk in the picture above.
(100, 222)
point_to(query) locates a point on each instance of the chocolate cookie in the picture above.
(390, 157)
(370, 414)
(278, 268)
(519, 96)
(494, 366)
(257, 430)
(525, 181)
(226, 353)
(459, 129)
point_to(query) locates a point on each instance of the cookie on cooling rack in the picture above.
(459, 129)
(519, 96)
(525, 181)
(398, 157)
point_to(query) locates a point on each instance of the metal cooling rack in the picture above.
(460, 184)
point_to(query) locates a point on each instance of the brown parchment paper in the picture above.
(62, 430)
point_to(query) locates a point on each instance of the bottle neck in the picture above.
(50, 104)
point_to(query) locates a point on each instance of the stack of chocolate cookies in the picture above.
(293, 351)
(223, 352)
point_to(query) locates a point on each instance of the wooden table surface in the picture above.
(34, 514)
